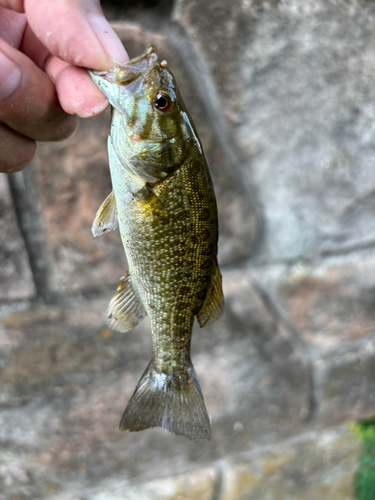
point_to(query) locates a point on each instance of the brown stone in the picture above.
(73, 179)
(331, 306)
(330, 303)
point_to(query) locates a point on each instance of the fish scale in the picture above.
(164, 204)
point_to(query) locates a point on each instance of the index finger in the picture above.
(76, 31)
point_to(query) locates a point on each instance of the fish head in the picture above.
(146, 100)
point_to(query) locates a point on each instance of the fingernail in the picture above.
(88, 113)
(108, 39)
(10, 77)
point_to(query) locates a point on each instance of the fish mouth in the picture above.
(129, 71)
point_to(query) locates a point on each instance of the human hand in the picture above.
(44, 48)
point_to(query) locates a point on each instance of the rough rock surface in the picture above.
(315, 466)
(298, 99)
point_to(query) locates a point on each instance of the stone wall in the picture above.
(282, 93)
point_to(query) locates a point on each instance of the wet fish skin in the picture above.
(165, 206)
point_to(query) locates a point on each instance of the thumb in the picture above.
(76, 31)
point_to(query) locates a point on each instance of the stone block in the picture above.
(251, 312)
(331, 306)
(345, 383)
(332, 302)
(297, 96)
(16, 281)
(314, 466)
(194, 485)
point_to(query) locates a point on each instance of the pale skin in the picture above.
(44, 49)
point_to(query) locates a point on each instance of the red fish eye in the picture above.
(163, 102)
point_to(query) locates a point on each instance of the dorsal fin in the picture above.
(125, 309)
(106, 217)
(213, 305)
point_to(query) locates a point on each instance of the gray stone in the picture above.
(25, 196)
(16, 281)
(331, 302)
(194, 485)
(252, 314)
(345, 383)
(331, 307)
(296, 80)
(314, 466)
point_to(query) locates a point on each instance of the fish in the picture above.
(164, 204)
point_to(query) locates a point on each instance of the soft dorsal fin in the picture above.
(213, 305)
(106, 217)
(125, 309)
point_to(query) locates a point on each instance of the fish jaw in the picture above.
(126, 78)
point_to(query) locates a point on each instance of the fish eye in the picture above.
(163, 102)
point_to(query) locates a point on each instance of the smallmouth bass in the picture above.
(164, 204)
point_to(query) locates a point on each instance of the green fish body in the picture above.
(164, 204)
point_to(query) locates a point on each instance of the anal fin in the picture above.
(213, 305)
(125, 309)
(106, 217)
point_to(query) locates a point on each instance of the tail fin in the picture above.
(174, 402)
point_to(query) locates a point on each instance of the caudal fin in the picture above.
(174, 402)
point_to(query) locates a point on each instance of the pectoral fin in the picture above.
(150, 201)
(125, 309)
(213, 305)
(106, 217)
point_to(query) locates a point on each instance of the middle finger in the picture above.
(28, 99)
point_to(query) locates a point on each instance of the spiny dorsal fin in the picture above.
(125, 309)
(213, 305)
(106, 217)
